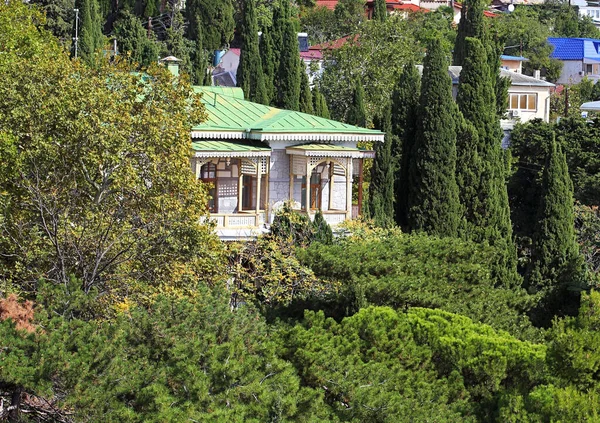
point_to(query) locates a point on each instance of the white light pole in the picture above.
(76, 38)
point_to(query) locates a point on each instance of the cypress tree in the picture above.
(199, 65)
(250, 75)
(321, 230)
(320, 103)
(281, 14)
(555, 260)
(215, 18)
(306, 100)
(289, 70)
(470, 25)
(405, 99)
(357, 114)
(268, 63)
(381, 189)
(433, 193)
(176, 44)
(380, 10)
(91, 39)
(481, 171)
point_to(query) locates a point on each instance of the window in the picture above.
(523, 102)
(589, 69)
(315, 191)
(247, 192)
(208, 174)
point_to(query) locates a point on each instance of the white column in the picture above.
(240, 186)
(291, 177)
(257, 187)
(331, 177)
(307, 184)
(349, 189)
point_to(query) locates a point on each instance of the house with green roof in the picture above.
(256, 157)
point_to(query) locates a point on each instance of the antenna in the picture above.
(76, 38)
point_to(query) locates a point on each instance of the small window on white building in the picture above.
(527, 102)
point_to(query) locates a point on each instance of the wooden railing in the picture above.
(238, 220)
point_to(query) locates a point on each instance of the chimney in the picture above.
(303, 41)
(536, 74)
(172, 63)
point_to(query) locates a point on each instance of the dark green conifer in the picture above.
(306, 100)
(381, 188)
(555, 259)
(214, 18)
(268, 63)
(289, 70)
(281, 14)
(405, 100)
(471, 25)
(200, 62)
(250, 75)
(380, 10)
(433, 193)
(321, 230)
(357, 115)
(91, 39)
(177, 45)
(481, 172)
(320, 103)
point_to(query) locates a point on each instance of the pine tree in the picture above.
(555, 259)
(91, 39)
(199, 65)
(380, 10)
(320, 103)
(405, 99)
(481, 172)
(306, 100)
(250, 75)
(381, 189)
(321, 230)
(289, 70)
(176, 44)
(471, 25)
(357, 114)
(268, 63)
(433, 193)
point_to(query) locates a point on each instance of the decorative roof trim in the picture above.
(315, 137)
(218, 135)
(355, 154)
(215, 154)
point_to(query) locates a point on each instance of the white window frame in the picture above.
(519, 95)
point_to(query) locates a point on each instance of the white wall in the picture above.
(570, 73)
(543, 102)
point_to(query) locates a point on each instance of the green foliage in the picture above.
(133, 41)
(381, 188)
(200, 63)
(433, 204)
(320, 24)
(587, 226)
(176, 44)
(250, 76)
(268, 63)
(321, 229)
(471, 25)
(319, 103)
(380, 10)
(306, 100)
(405, 99)
(214, 18)
(569, 23)
(59, 18)
(101, 188)
(555, 260)
(91, 39)
(419, 271)
(357, 114)
(349, 15)
(289, 69)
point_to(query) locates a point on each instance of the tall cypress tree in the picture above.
(250, 75)
(357, 115)
(470, 25)
(214, 18)
(91, 39)
(380, 10)
(555, 259)
(200, 61)
(289, 70)
(320, 103)
(281, 14)
(405, 99)
(306, 100)
(481, 161)
(433, 193)
(268, 63)
(381, 189)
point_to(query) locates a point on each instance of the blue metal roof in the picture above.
(517, 58)
(575, 48)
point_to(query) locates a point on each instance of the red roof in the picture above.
(332, 45)
(236, 51)
(329, 4)
(311, 55)
(486, 13)
(410, 7)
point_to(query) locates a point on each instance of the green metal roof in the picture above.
(322, 147)
(229, 146)
(229, 112)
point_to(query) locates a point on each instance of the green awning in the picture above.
(230, 149)
(329, 150)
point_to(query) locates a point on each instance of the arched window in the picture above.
(208, 174)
